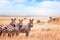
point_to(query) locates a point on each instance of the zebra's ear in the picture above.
(11, 19)
(29, 19)
(22, 19)
(14, 18)
(32, 19)
(19, 19)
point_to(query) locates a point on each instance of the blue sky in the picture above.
(30, 7)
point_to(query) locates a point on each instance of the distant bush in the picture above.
(38, 21)
(25, 18)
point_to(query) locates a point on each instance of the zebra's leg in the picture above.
(12, 34)
(9, 34)
(0, 33)
(17, 33)
(27, 33)
(4, 34)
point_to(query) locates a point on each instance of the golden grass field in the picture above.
(40, 31)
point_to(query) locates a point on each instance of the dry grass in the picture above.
(38, 32)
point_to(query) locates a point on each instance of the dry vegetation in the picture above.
(40, 31)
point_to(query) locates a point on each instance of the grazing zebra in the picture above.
(26, 28)
(15, 30)
(0, 30)
(4, 30)
(20, 23)
(18, 27)
(11, 31)
(13, 22)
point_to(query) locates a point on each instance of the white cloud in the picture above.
(12, 4)
(42, 11)
(3, 2)
(20, 0)
(52, 4)
(43, 8)
(33, 1)
(32, 11)
(19, 5)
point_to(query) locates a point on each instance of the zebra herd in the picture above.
(14, 29)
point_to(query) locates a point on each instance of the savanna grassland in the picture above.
(39, 31)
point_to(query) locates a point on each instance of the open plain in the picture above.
(39, 31)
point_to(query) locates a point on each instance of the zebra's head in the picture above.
(30, 23)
